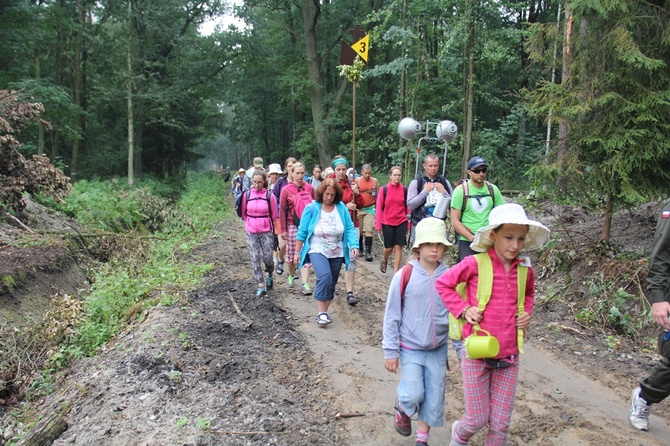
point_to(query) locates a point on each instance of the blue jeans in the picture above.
(327, 272)
(422, 383)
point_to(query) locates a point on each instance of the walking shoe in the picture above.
(368, 256)
(290, 281)
(280, 267)
(296, 275)
(351, 299)
(305, 289)
(421, 443)
(323, 319)
(453, 442)
(639, 411)
(269, 282)
(260, 292)
(402, 423)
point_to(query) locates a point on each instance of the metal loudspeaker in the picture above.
(408, 128)
(446, 131)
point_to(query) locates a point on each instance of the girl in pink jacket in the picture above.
(489, 385)
(259, 211)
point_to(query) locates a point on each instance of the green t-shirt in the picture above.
(478, 206)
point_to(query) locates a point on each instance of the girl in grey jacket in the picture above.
(416, 330)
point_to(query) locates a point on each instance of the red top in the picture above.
(287, 203)
(391, 210)
(365, 190)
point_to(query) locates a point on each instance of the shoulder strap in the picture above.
(485, 279)
(405, 275)
(465, 196)
(521, 280)
(384, 191)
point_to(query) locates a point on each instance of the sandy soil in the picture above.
(225, 368)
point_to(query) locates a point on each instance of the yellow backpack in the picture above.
(484, 287)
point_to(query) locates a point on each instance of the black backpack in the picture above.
(418, 214)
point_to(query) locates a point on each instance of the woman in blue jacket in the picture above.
(328, 237)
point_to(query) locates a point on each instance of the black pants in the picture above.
(464, 249)
(656, 387)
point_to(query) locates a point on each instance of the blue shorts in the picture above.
(422, 383)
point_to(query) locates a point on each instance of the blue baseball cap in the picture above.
(476, 161)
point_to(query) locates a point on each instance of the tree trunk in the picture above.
(310, 15)
(469, 87)
(129, 93)
(607, 221)
(45, 432)
(563, 129)
(77, 88)
(38, 74)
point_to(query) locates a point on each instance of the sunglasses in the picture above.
(478, 171)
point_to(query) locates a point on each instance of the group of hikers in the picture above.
(483, 303)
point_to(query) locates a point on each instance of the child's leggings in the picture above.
(489, 399)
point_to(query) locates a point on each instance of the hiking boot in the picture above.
(351, 299)
(368, 256)
(269, 282)
(402, 423)
(323, 319)
(305, 289)
(453, 442)
(639, 411)
(280, 268)
(260, 292)
(290, 281)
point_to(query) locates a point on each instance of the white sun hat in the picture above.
(510, 213)
(275, 168)
(430, 230)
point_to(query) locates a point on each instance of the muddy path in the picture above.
(222, 367)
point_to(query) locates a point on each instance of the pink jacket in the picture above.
(255, 213)
(500, 314)
(391, 210)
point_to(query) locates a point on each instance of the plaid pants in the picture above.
(489, 399)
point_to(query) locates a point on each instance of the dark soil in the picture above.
(203, 372)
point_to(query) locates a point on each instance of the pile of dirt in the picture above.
(224, 367)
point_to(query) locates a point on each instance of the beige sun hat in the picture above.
(275, 168)
(510, 213)
(258, 162)
(430, 230)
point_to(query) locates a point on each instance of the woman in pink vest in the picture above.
(259, 210)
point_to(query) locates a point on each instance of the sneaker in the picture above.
(421, 443)
(260, 292)
(323, 319)
(296, 275)
(269, 282)
(280, 267)
(368, 256)
(639, 411)
(454, 442)
(351, 299)
(305, 289)
(290, 281)
(402, 423)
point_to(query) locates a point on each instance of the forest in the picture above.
(568, 100)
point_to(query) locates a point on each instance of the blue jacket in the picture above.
(310, 217)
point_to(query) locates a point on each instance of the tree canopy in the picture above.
(136, 85)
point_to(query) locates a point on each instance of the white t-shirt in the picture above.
(328, 234)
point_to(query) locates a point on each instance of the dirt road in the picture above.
(556, 404)
(225, 368)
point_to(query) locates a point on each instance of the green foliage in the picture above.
(616, 102)
(120, 286)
